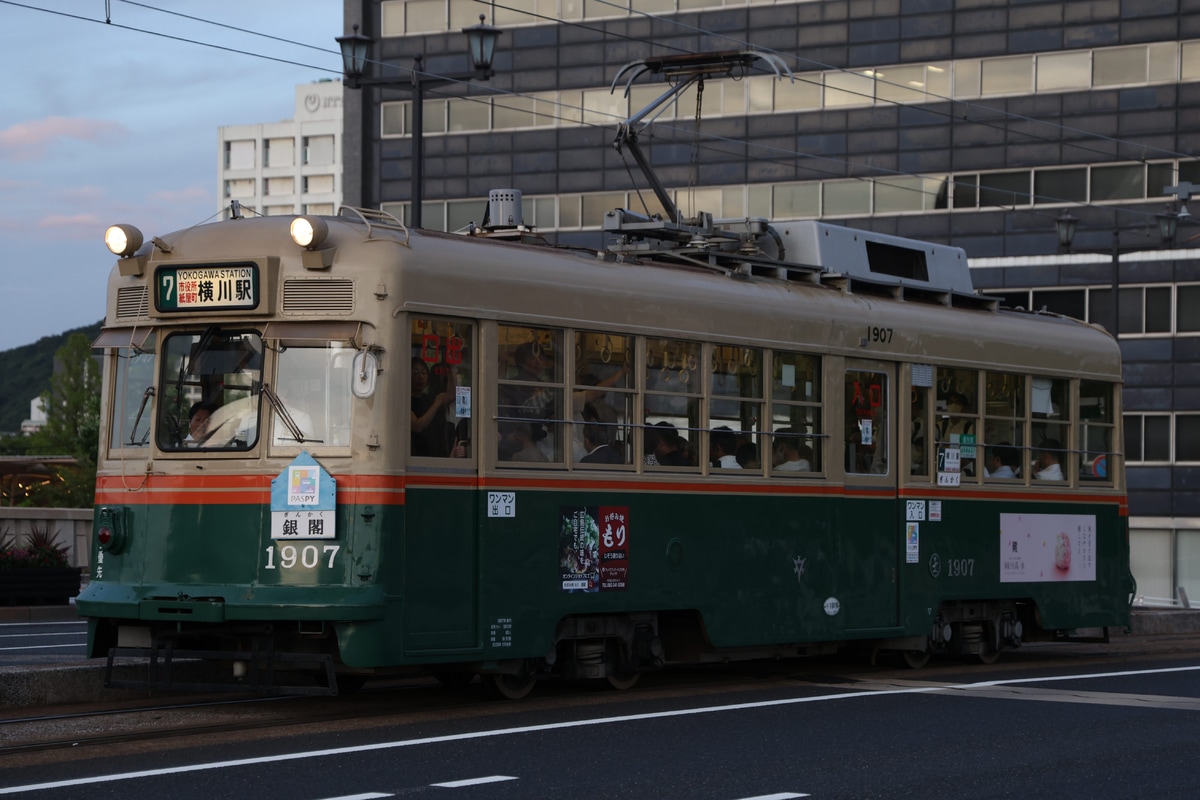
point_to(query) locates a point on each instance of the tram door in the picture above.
(868, 586)
(441, 581)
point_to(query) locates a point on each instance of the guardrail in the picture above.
(1163, 602)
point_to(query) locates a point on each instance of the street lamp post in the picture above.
(1066, 226)
(481, 41)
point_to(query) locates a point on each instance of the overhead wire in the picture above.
(779, 155)
(874, 171)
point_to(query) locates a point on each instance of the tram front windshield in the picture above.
(210, 390)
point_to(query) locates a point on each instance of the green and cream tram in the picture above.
(480, 454)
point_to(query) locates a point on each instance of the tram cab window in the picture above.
(735, 408)
(312, 387)
(671, 414)
(602, 399)
(133, 403)
(1097, 427)
(796, 423)
(215, 371)
(440, 388)
(529, 409)
(1003, 426)
(866, 415)
(957, 415)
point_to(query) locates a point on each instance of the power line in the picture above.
(109, 23)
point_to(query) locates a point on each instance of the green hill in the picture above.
(27, 370)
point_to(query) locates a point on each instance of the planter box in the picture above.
(27, 587)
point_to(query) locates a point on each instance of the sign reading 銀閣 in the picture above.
(303, 501)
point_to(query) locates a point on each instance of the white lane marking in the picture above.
(778, 796)
(35, 635)
(556, 726)
(80, 623)
(38, 647)
(474, 781)
(364, 796)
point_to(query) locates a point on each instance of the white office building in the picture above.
(288, 167)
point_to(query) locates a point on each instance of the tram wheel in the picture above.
(989, 657)
(621, 682)
(915, 659)
(509, 686)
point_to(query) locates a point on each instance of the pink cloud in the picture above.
(76, 226)
(28, 141)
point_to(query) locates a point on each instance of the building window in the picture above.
(239, 154)
(1187, 437)
(279, 152)
(1187, 309)
(1061, 71)
(1069, 302)
(318, 184)
(1147, 438)
(1145, 309)
(1008, 75)
(1004, 189)
(1125, 182)
(277, 186)
(243, 187)
(318, 150)
(1060, 185)
(846, 197)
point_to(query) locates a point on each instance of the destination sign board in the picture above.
(201, 288)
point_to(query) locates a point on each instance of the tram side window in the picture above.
(958, 419)
(671, 414)
(919, 427)
(602, 399)
(1004, 426)
(796, 423)
(133, 405)
(529, 410)
(735, 408)
(209, 395)
(866, 415)
(1050, 408)
(312, 385)
(1097, 427)
(440, 388)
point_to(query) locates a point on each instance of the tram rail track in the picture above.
(406, 701)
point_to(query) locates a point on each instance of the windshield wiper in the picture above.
(133, 433)
(282, 413)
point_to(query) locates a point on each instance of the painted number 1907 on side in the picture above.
(308, 557)
(877, 334)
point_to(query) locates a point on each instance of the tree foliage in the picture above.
(72, 428)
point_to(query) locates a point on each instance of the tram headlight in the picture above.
(309, 232)
(123, 240)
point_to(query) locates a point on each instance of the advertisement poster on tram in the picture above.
(593, 548)
(1047, 547)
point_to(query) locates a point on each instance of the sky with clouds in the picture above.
(117, 122)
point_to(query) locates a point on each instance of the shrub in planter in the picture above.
(37, 571)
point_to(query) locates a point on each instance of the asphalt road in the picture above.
(51, 642)
(1122, 726)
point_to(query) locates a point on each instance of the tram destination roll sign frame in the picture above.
(198, 287)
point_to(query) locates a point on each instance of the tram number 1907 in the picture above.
(960, 567)
(309, 556)
(877, 334)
